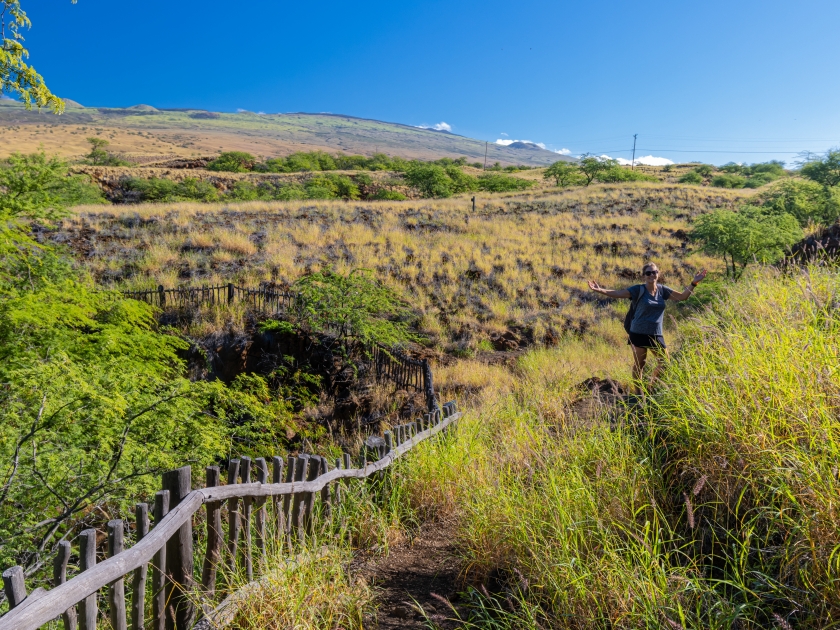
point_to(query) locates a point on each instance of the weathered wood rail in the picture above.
(295, 485)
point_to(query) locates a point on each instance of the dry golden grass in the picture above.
(519, 263)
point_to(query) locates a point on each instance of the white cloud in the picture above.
(503, 133)
(505, 142)
(3, 97)
(441, 126)
(563, 151)
(239, 110)
(648, 160)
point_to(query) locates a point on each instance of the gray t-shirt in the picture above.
(650, 309)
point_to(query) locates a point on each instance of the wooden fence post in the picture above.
(14, 586)
(325, 491)
(116, 589)
(429, 386)
(309, 499)
(138, 587)
(301, 470)
(277, 477)
(213, 553)
(87, 560)
(245, 477)
(233, 515)
(337, 486)
(230, 293)
(159, 567)
(179, 555)
(60, 577)
(161, 295)
(259, 521)
(291, 473)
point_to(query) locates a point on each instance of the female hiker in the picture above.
(648, 306)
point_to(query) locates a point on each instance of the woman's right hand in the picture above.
(594, 286)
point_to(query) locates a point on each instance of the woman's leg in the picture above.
(639, 359)
(661, 355)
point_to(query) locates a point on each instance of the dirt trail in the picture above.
(410, 573)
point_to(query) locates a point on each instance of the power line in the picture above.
(692, 151)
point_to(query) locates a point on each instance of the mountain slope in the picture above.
(145, 133)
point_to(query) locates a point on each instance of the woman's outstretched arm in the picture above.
(621, 293)
(676, 296)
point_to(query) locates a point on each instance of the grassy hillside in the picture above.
(147, 134)
(519, 263)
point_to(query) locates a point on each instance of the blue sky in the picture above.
(713, 81)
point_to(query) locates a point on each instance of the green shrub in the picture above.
(502, 183)
(233, 162)
(430, 179)
(390, 195)
(808, 201)
(331, 186)
(290, 192)
(692, 177)
(617, 174)
(564, 173)
(750, 235)
(824, 170)
(728, 181)
(37, 185)
(99, 156)
(460, 181)
(246, 191)
(157, 190)
(196, 190)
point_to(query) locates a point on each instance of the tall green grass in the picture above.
(746, 431)
(715, 505)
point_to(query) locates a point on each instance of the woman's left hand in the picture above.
(699, 277)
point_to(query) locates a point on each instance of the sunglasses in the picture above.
(651, 273)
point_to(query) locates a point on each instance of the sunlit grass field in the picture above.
(518, 263)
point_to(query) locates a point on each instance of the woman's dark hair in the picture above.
(648, 266)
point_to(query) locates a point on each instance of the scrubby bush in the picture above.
(36, 181)
(564, 173)
(502, 183)
(233, 162)
(728, 181)
(617, 174)
(389, 195)
(825, 169)
(591, 167)
(692, 177)
(752, 234)
(430, 179)
(808, 201)
(99, 156)
(137, 190)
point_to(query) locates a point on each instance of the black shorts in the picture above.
(646, 341)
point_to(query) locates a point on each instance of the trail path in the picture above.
(411, 572)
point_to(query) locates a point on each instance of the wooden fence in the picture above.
(168, 547)
(261, 299)
(386, 363)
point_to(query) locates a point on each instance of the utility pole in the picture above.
(633, 166)
(486, 144)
